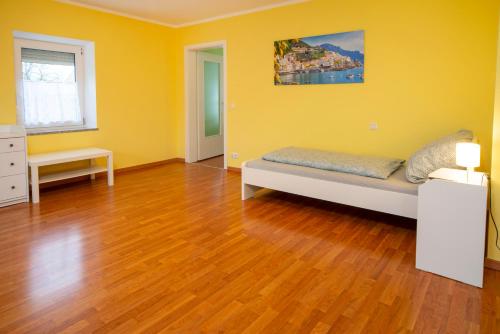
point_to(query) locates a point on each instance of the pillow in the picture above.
(377, 167)
(438, 154)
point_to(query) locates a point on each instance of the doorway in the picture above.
(205, 73)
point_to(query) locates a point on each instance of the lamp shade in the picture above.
(468, 155)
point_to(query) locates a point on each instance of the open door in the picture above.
(210, 105)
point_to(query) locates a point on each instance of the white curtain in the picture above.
(51, 104)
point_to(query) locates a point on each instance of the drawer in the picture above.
(12, 187)
(12, 145)
(12, 163)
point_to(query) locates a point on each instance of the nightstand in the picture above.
(451, 225)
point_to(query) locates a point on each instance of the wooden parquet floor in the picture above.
(215, 162)
(173, 249)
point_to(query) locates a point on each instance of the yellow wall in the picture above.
(430, 70)
(494, 252)
(135, 91)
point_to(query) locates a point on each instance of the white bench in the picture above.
(38, 160)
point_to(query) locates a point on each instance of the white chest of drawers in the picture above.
(13, 165)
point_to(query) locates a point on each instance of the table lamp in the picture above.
(468, 155)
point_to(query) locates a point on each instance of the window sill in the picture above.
(54, 131)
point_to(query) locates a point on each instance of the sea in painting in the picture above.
(325, 59)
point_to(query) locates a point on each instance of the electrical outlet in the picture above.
(235, 155)
(373, 126)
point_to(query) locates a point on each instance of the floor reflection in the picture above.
(56, 265)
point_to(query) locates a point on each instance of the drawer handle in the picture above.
(11, 145)
(12, 164)
(13, 187)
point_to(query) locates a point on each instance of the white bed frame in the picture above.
(392, 202)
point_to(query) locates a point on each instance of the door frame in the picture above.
(190, 96)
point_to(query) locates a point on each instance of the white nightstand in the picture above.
(451, 225)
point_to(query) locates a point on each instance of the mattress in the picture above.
(396, 182)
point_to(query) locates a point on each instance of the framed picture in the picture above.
(325, 59)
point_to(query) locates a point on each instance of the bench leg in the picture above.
(248, 191)
(92, 164)
(35, 189)
(111, 180)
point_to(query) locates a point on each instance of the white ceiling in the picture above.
(177, 13)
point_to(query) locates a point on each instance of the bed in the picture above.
(394, 195)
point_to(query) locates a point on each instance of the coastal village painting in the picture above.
(325, 59)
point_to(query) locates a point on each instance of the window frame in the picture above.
(84, 72)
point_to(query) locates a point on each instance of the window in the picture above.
(55, 89)
(52, 92)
